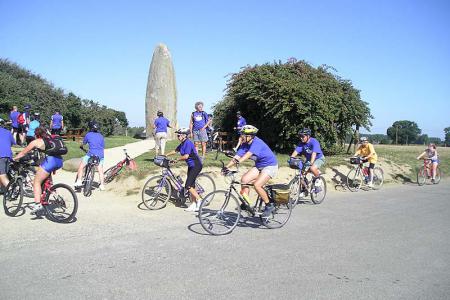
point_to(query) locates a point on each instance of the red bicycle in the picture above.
(112, 172)
(59, 201)
(424, 173)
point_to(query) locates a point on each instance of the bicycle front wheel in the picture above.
(422, 176)
(204, 184)
(88, 180)
(354, 179)
(13, 197)
(111, 173)
(62, 203)
(378, 178)
(279, 216)
(294, 190)
(318, 190)
(156, 192)
(219, 212)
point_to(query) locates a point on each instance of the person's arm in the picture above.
(313, 157)
(207, 123)
(294, 154)
(51, 123)
(62, 122)
(358, 152)
(191, 124)
(171, 153)
(421, 155)
(34, 144)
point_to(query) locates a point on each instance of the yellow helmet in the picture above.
(249, 130)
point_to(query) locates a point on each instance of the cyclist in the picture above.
(6, 141)
(431, 154)
(47, 166)
(189, 154)
(16, 127)
(32, 127)
(241, 122)
(266, 165)
(310, 148)
(198, 124)
(368, 154)
(57, 123)
(160, 125)
(96, 144)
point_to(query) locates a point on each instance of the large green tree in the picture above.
(281, 98)
(447, 136)
(404, 132)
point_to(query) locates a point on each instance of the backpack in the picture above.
(204, 116)
(21, 119)
(54, 146)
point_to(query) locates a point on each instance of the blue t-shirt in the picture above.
(308, 148)
(32, 127)
(57, 121)
(262, 155)
(187, 147)
(161, 124)
(6, 141)
(241, 122)
(199, 120)
(96, 144)
(13, 116)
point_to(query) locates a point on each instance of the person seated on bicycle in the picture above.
(96, 144)
(266, 165)
(368, 154)
(48, 165)
(189, 154)
(6, 141)
(431, 154)
(310, 148)
(241, 122)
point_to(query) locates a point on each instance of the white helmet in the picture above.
(363, 139)
(183, 130)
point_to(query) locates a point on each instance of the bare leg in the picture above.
(262, 179)
(433, 170)
(248, 178)
(4, 181)
(203, 149)
(80, 170)
(100, 174)
(41, 175)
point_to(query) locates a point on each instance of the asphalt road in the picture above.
(387, 244)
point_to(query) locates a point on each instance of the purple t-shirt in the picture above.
(161, 124)
(6, 141)
(261, 153)
(13, 116)
(57, 121)
(308, 148)
(187, 147)
(96, 144)
(241, 122)
(199, 120)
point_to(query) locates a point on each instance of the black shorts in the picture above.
(56, 131)
(192, 175)
(17, 129)
(371, 165)
(4, 165)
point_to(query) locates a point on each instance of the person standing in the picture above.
(6, 141)
(241, 122)
(198, 124)
(57, 123)
(160, 125)
(15, 126)
(32, 127)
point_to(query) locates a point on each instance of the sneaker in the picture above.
(102, 187)
(78, 184)
(268, 210)
(302, 195)
(318, 182)
(433, 181)
(370, 184)
(36, 208)
(191, 207)
(197, 204)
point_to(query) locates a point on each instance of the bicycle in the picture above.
(112, 172)
(26, 171)
(59, 201)
(220, 211)
(303, 184)
(360, 173)
(89, 173)
(424, 173)
(157, 191)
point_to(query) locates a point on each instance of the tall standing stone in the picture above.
(161, 89)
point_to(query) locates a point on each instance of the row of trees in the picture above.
(408, 132)
(19, 87)
(281, 98)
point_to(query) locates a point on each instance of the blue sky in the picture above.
(396, 52)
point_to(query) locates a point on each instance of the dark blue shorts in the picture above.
(52, 163)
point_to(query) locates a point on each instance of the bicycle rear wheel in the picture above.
(279, 216)
(422, 176)
(219, 212)
(318, 193)
(156, 192)
(88, 180)
(111, 173)
(13, 197)
(62, 203)
(378, 178)
(204, 184)
(294, 190)
(437, 179)
(354, 179)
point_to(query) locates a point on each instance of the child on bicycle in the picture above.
(189, 154)
(96, 144)
(266, 165)
(368, 154)
(48, 165)
(310, 148)
(431, 154)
